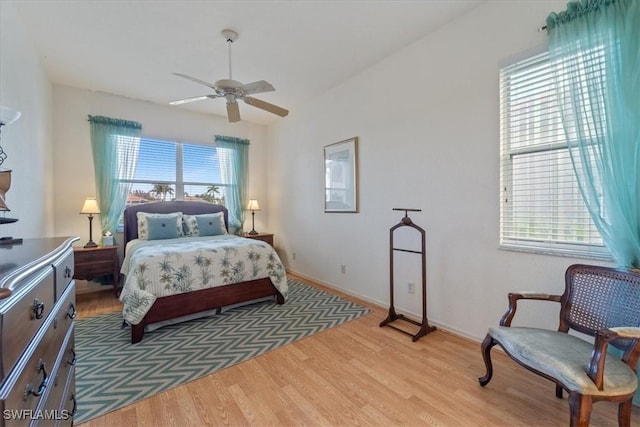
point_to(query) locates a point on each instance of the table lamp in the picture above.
(253, 206)
(90, 207)
(7, 116)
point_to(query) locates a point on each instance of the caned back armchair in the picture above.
(601, 302)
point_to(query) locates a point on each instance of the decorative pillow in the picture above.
(161, 228)
(204, 225)
(211, 225)
(143, 227)
(190, 225)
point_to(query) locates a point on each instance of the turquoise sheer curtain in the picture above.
(114, 144)
(234, 166)
(595, 50)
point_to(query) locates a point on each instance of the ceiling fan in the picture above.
(233, 90)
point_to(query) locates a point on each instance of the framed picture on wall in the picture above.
(341, 176)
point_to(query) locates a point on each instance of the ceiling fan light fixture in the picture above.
(227, 84)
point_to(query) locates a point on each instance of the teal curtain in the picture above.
(234, 166)
(595, 51)
(114, 144)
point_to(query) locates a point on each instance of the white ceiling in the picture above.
(303, 48)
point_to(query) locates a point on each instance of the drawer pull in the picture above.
(38, 309)
(43, 385)
(71, 312)
(67, 272)
(72, 361)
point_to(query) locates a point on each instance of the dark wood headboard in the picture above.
(188, 208)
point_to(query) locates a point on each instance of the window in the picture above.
(176, 171)
(541, 208)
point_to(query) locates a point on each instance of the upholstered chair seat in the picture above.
(564, 357)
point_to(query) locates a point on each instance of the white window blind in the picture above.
(541, 208)
(167, 170)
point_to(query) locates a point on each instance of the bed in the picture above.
(151, 298)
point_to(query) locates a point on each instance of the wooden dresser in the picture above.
(37, 308)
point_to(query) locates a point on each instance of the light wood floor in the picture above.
(356, 374)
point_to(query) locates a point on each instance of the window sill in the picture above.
(595, 255)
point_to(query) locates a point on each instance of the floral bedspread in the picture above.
(166, 267)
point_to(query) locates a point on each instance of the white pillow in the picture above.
(143, 226)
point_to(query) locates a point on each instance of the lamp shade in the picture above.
(8, 115)
(90, 206)
(253, 205)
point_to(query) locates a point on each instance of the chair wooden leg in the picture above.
(624, 413)
(580, 407)
(487, 344)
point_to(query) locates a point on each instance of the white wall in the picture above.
(428, 125)
(74, 172)
(28, 142)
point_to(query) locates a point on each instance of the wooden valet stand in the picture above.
(393, 316)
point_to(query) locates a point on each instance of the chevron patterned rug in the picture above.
(112, 373)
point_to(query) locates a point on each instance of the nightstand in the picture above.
(265, 237)
(98, 261)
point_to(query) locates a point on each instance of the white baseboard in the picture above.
(385, 305)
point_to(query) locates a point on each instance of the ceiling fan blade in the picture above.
(257, 87)
(258, 103)
(193, 79)
(194, 99)
(233, 111)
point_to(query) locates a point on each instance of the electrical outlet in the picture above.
(293, 255)
(343, 269)
(411, 288)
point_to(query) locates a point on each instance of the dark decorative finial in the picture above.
(406, 220)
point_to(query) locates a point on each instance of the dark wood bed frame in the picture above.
(173, 306)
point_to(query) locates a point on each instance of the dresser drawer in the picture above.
(265, 237)
(102, 253)
(89, 271)
(63, 272)
(94, 262)
(52, 405)
(69, 403)
(21, 320)
(67, 361)
(35, 373)
(66, 308)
